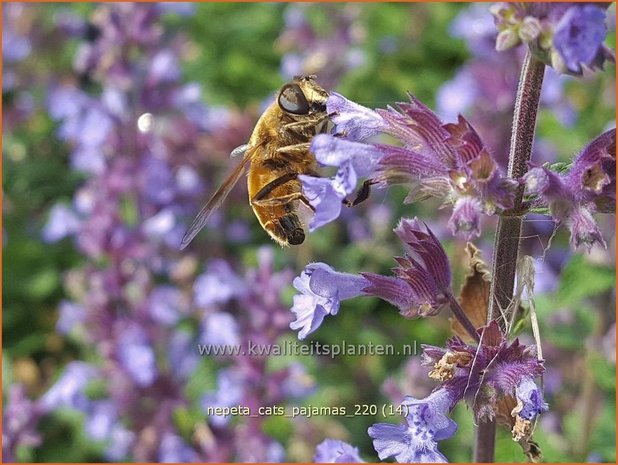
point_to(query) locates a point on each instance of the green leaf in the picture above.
(580, 279)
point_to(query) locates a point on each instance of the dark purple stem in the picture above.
(506, 246)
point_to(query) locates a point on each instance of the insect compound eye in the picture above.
(292, 100)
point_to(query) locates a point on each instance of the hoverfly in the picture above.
(277, 152)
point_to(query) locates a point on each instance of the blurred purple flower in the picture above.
(229, 392)
(298, 383)
(179, 8)
(335, 451)
(182, 356)
(217, 285)
(166, 304)
(321, 291)
(174, 449)
(100, 419)
(136, 355)
(20, 418)
(68, 390)
(71, 315)
(417, 439)
(220, 328)
(62, 222)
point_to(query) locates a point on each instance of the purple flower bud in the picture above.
(416, 440)
(584, 229)
(335, 451)
(423, 278)
(321, 291)
(353, 121)
(466, 217)
(531, 399)
(579, 37)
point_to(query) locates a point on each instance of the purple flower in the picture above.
(353, 121)
(579, 37)
(217, 285)
(321, 291)
(448, 161)
(100, 419)
(220, 328)
(354, 160)
(483, 375)
(417, 439)
(136, 355)
(589, 186)
(68, 390)
(174, 449)
(421, 285)
(62, 222)
(229, 392)
(566, 36)
(20, 417)
(166, 304)
(335, 451)
(71, 315)
(181, 354)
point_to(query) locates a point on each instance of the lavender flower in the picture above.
(321, 291)
(417, 439)
(566, 36)
(589, 186)
(334, 451)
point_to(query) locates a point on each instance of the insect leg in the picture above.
(296, 149)
(260, 199)
(361, 195)
(272, 185)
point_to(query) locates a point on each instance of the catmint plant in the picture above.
(483, 365)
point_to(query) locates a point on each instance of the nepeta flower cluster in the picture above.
(587, 187)
(420, 286)
(447, 161)
(567, 36)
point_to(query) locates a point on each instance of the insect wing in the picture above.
(215, 201)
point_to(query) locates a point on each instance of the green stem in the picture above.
(506, 246)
